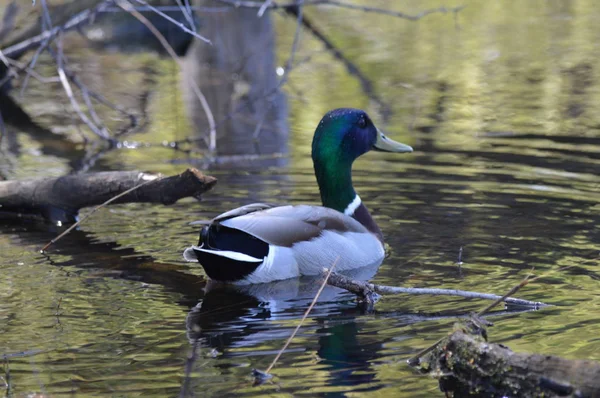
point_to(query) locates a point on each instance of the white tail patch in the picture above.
(349, 211)
(189, 255)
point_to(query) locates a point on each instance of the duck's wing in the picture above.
(238, 211)
(241, 211)
(287, 225)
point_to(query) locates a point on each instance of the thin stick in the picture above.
(396, 14)
(95, 210)
(310, 307)
(100, 132)
(85, 16)
(168, 18)
(206, 10)
(187, 13)
(99, 97)
(415, 358)
(264, 7)
(20, 67)
(32, 63)
(337, 3)
(2, 128)
(7, 379)
(515, 289)
(358, 287)
(290, 62)
(125, 5)
(189, 366)
(511, 291)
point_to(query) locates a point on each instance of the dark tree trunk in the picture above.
(237, 76)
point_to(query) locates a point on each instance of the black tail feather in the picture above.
(220, 238)
(223, 268)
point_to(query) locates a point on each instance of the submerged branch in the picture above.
(365, 290)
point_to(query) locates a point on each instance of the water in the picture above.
(500, 104)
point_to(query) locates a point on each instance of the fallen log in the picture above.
(60, 199)
(467, 365)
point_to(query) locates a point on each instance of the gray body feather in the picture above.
(303, 240)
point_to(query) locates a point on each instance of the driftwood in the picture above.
(467, 365)
(59, 199)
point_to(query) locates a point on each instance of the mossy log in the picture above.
(467, 365)
(59, 199)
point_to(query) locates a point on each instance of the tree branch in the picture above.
(59, 199)
(365, 291)
(414, 17)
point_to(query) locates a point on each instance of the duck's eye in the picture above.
(362, 123)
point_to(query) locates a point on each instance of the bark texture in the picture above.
(59, 199)
(467, 365)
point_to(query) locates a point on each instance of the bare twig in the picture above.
(398, 14)
(2, 128)
(205, 106)
(197, 9)
(11, 72)
(503, 298)
(100, 131)
(16, 50)
(187, 13)
(351, 67)
(264, 7)
(46, 21)
(288, 65)
(189, 365)
(290, 61)
(19, 67)
(310, 307)
(414, 360)
(30, 68)
(95, 209)
(359, 288)
(86, 92)
(168, 18)
(7, 378)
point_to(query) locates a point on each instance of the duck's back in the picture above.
(283, 242)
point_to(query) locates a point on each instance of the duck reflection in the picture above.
(231, 317)
(234, 314)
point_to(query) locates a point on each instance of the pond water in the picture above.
(501, 105)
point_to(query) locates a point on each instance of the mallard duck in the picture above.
(260, 243)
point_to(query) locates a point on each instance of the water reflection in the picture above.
(500, 110)
(225, 306)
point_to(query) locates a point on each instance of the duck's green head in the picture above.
(341, 137)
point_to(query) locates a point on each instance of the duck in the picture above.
(261, 243)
